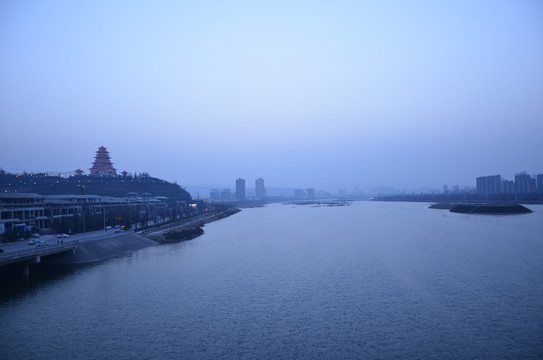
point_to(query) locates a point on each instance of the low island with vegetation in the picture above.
(484, 209)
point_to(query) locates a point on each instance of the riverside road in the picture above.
(51, 244)
(47, 245)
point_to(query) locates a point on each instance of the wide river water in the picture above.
(372, 280)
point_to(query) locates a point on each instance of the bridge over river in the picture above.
(91, 247)
(35, 253)
(21, 254)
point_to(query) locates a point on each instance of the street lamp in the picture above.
(104, 211)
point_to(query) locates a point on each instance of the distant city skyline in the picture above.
(224, 192)
(324, 95)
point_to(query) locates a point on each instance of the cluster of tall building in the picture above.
(241, 192)
(523, 184)
(260, 190)
(456, 189)
(259, 194)
(220, 195)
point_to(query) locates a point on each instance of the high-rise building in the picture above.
(102, 164)
(214, 194)
(524, 183)
(226, 195)
(508, 187)
(299, 193)
(310, 193)
(260, 190)
(489, 184)
(540, 183)
(240, 189)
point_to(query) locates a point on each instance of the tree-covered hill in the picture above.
(116, 186)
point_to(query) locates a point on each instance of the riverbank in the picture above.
(186, 230)
(90, 252)
(532, 198)
(96, 251)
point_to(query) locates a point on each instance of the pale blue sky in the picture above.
(323, 94)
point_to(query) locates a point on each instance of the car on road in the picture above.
(60, 236)
(36, 235)
(32, 242)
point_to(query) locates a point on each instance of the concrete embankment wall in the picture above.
(99, 250)
(158, 234)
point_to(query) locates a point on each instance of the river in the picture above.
(372, 280)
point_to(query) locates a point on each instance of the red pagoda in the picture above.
(102, 163)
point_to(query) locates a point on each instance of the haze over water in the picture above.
(320, 94)
(373, 280)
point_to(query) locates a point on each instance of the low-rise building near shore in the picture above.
(22, 212)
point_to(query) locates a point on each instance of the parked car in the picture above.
(32, 242)
(60, 236)
(36, 236)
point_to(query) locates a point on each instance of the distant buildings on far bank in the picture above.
(524, 187)
(307, 194)
(492, 185)
(489, 189)
(220, 195)
(225, 194)
(523, 184)
(240, 189)
(259, 193)
(260, 190)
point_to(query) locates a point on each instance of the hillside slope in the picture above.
(116, 186)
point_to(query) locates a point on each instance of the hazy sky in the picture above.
(323, 94)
